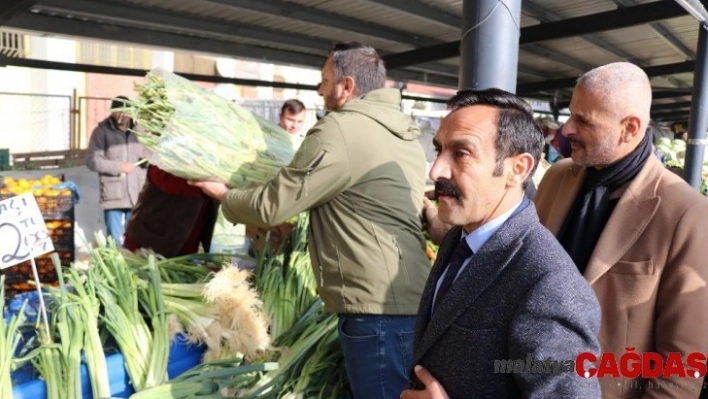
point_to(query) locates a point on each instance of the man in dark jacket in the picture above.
(502, 288)
(113, 152)
(361, 173)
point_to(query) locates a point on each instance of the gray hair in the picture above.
(362, 63)
(623, 86)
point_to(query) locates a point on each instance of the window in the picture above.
(13, 44)
(99, 53)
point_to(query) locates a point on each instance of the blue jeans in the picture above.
(115, 223)
(378, 353)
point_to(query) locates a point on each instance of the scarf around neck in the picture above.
(592, 207)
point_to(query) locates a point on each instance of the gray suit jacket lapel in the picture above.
(483, 269)
(447, 247)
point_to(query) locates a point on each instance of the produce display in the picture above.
(198, 135)
(56, 204)
(9, 340)
(673, 153)
(44, 187)
(266, 332)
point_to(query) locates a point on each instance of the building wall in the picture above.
(34, 121)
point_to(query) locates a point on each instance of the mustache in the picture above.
(444, 187)
(576, 141)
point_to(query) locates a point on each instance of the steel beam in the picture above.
(671, 106)
(324, 18)
(562, 58)
(657, 70)
(158, 19)
(88, 29)
(663, 93)
(698, 119)
(95, 30)
(8, 8)
(166, 21)
(664, 116)
(536, 11)
(543, 15)
(662, 32)
(609, 20)
(66, 66)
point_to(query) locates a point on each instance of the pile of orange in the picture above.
(58, 224)
(39, 187)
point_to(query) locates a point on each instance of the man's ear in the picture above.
(631, 128)
(520, 169)
(350, 88)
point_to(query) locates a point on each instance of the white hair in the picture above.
(623, 87)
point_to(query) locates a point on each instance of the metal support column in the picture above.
(698, 121)
(489, 47)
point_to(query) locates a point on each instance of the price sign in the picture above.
(23, 234)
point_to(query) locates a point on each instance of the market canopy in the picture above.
(560, 39)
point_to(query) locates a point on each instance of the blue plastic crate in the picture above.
(183, 356)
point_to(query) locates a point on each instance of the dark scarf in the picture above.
(592, 207)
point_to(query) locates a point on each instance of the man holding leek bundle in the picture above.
(361, 173)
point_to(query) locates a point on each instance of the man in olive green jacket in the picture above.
(361, 173)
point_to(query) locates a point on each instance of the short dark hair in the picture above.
(294, 106)
(517, 132)
(362, 63)
(119, 102)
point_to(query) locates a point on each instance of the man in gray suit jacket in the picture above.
(505, 312)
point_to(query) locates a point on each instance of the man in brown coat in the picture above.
(635, 230)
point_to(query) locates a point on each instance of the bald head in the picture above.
(609, 114)
(623, 88)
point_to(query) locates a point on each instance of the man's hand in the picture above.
(430, 211)
(212, 189)
(435, 227)
(433, 389)
(126, 167)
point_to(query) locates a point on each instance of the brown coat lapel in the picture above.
(633, 213)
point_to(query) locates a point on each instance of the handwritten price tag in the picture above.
(23, 234)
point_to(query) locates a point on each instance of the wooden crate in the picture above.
(16, 277)
(48, 159)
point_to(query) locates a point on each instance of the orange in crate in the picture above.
(17, 277)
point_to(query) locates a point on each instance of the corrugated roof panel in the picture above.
(644, 44)
(641, 42)
(455, 7)
(545, 64)
(685, 29)
(662, 81)
(686, 77)
(528, 21)
(236, 15)
(451, 6)
(576, 48)
(629, 36)
(385, 16)
(682, 24)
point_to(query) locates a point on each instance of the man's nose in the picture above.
(568, 129)
(439, 170)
